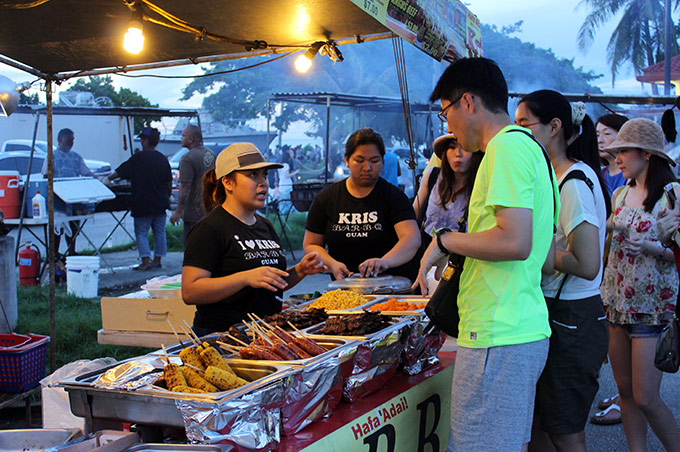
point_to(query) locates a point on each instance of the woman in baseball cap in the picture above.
(233, 262)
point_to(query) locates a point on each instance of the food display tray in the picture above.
(153, 405)
(395, 324)
(409, 299)
(372, 299)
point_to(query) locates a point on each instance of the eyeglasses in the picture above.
(442, 114)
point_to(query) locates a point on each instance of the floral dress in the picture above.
(638, 289)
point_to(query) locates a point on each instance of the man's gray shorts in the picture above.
(492, 397)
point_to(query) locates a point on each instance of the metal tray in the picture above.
(150, 447)
(35, 439)
(153, 405)
(397, 323)
(372, 299)
(410, 299)
(337, 345)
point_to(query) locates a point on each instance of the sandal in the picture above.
(606, 403)
(610, 416)
(141, 267)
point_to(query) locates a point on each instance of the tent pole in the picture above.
(50, 225)
(129, 129)
(22, 209)
(328, 137)
(268, 122)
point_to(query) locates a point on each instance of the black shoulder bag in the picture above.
(442, 309)
(667, 356)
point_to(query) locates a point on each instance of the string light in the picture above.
(304, 61)
(133, 41)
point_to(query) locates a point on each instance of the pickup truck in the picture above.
(14, 152)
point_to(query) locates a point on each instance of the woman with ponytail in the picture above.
(233, 262)
(578, 344)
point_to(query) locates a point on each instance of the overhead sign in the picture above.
(444, 29)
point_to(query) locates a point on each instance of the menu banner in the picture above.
(417, 419)
(444, 29)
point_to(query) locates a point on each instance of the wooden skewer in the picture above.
(263, 322)
(195, 368)
(236, 339)
(298, 331)
(262, 334)
(189, 336)
(167, 358)
(175, 333)
(230, 348)
(192, 331)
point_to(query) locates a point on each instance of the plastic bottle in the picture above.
(39, 207)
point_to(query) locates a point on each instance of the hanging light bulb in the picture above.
(133, 41)
(304, 61)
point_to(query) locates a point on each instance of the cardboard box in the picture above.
(145, 314)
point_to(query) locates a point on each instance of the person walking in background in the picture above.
(503, 339)
(640, 285)
(608, 127)
(391, 169)
(579, 339)
(149, 173)
(192, 167)
(67, 163)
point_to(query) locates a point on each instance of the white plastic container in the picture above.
(39, 206)
(82, 276)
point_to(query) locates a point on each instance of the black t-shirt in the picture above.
(223, 245)
(356, 229)
(150, 175)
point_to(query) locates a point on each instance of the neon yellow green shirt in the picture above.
(501, 303)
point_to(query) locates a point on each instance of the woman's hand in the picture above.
(339, 270)
(668, 223)
(269, 278)
(433, 257)
(311, 264)
(636, 246)
(372, 267)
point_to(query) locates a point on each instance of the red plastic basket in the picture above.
(22, 366)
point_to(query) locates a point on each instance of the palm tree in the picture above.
(638, 37)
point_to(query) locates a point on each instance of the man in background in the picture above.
(192, 167)
(67, 163)
(149, 173)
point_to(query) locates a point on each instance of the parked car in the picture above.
(18, 161)
(99, 168)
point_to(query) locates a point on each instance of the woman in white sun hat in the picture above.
(640, 285)
(233, 262)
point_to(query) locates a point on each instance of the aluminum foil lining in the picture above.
(421, 351)
(251, 421)
(311, 394)
(375, 362)
(132, 374)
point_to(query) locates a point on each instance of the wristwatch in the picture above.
(441, 246)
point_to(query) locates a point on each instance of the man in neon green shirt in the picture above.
(504, 330)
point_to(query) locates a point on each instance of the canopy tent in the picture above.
(57, 40)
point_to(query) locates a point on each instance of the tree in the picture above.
(638, 37)
(102, 87)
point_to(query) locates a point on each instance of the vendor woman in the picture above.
(233, 262)
(367, 223)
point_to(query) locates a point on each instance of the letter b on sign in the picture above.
(428, 435)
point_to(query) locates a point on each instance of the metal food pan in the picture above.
(371, 299)
(409, 299)
(35, 439)
(336, 345)
(396, 323)
(153, 405)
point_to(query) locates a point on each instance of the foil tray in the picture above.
(153, 405)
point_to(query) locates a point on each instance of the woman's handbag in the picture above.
(442, 309)
(667, 356)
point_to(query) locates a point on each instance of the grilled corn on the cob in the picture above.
(223, 379)
(190, 356)
(172, 376)
(195, 380)
(211, 357)
(187, 389)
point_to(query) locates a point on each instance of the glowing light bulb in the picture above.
(133, 40)
(303, 63)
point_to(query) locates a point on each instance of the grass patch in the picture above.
(111, 249)
(77, 321)
(174, 237)
(295, 229)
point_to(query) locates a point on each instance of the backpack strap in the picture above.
(550, 173)
(580, 175)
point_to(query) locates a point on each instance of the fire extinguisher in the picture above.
(29, 265)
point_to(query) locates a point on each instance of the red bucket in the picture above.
(10, 201)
